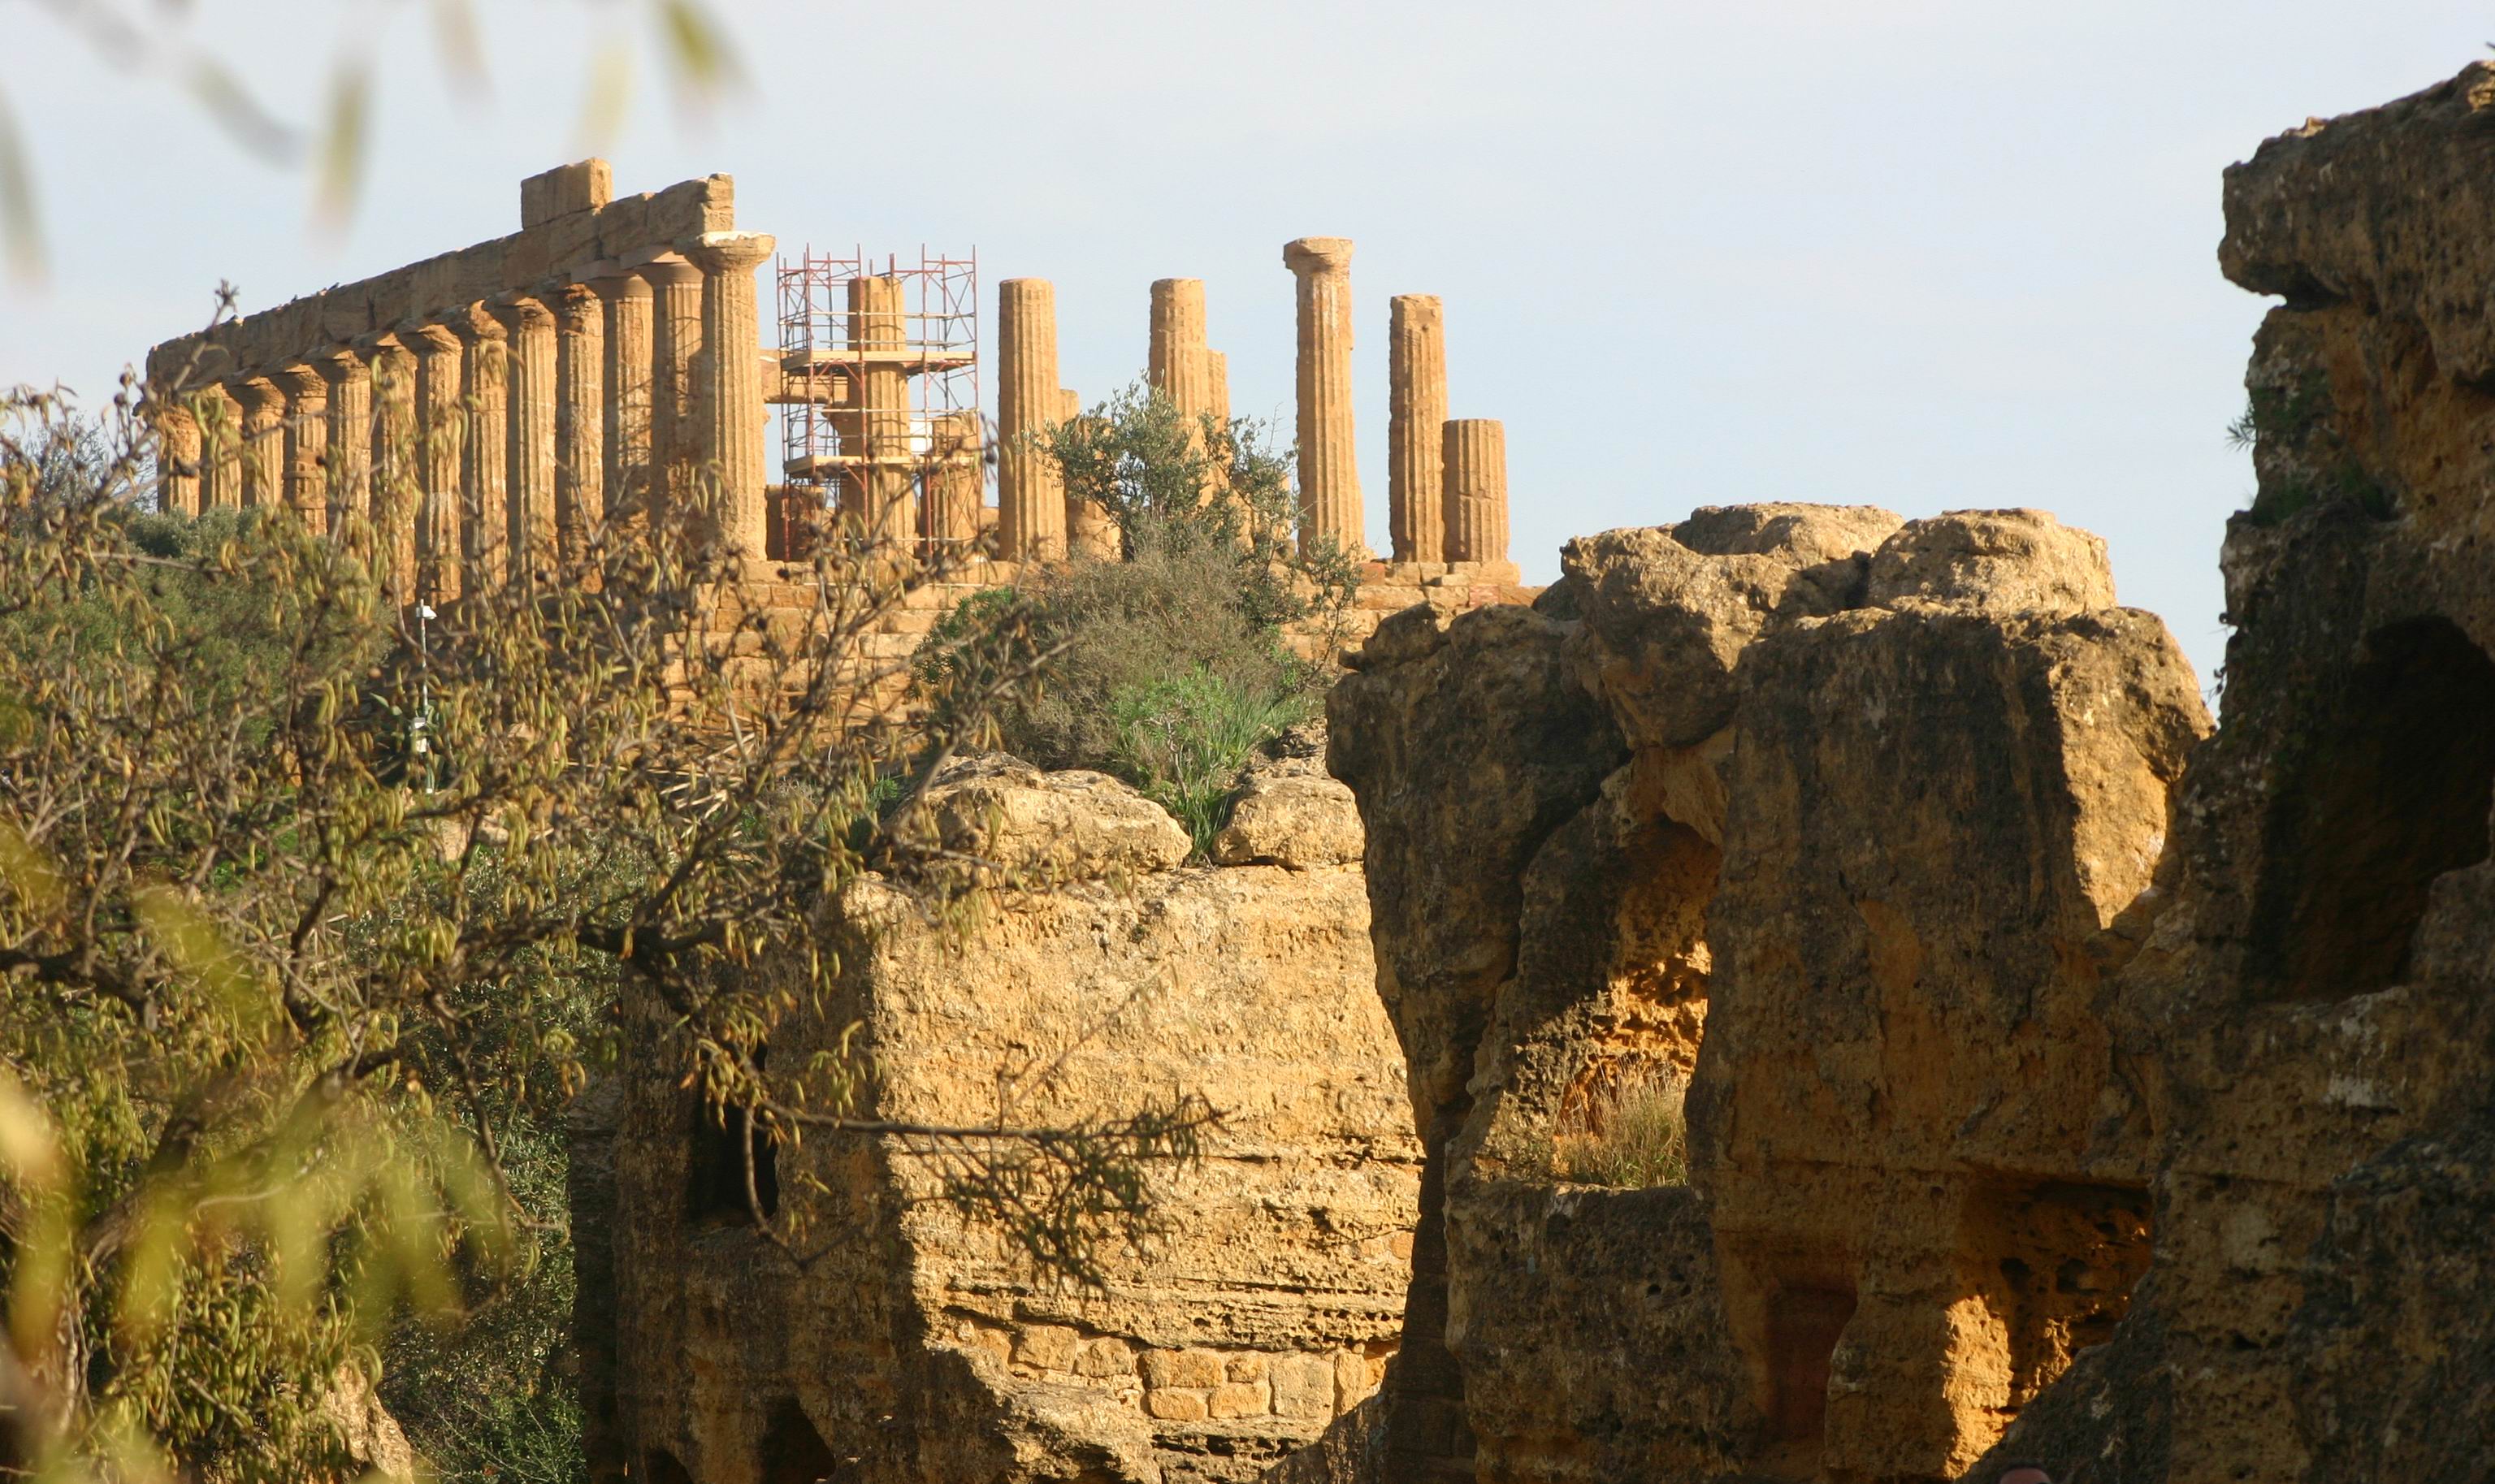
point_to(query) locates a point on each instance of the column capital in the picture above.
(252, 388)
(611, 281)
(668, 269)
(727, 252)
(303, 379)
(517, 312)
(338, 364)
(423, 337)
(577, 307)
(473, 323)
(1317, 255)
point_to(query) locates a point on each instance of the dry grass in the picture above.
(1629, 1134)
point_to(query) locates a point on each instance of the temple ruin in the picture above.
(612, 356)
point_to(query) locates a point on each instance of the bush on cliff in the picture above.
(1166, 664)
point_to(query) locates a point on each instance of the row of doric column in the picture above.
(1446, 478)
(475, 437)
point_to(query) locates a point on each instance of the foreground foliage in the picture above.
(313, 909)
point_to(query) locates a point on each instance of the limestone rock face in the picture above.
(913, 1344)
(1075, 823)
(2309, 1023)
(1844, 820)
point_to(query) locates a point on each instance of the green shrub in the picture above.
(1166, 665)
(1184, 740)
(1631, 1133)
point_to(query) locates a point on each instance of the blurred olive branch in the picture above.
(154, 40)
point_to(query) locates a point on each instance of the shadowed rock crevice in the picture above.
(2391, 789)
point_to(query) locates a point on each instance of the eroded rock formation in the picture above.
(2067, 1087)
(1845, 819)
(2310, 1022)
(915, 1347)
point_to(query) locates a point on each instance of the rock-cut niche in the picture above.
(2391, 789)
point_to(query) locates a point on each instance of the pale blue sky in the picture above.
(1923, 254)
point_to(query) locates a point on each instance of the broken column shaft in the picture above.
(1329, 472)
(1417, 382)
(1030, 498)
(1178, 366)
(1475, 456)
(953, 488)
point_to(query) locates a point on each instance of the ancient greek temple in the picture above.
(611, 357)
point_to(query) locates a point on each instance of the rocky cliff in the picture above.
(2066, 1085)
(907, 1345)
(1844, 819)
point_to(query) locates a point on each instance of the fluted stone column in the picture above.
(1216, 376)
(1329, 471)
(177, 459)
(528, 524)
(731, 413)
(1030, 498)
(397, 490)
(442, 452)
(579, 410)
(306, 443)
(626, 455)
(675, 343)
(263, 440)
(953, 488)
(887, 514)
(485, 460)
(1475, 454)
(1179, 368)
(347, 491)
(220, 419)
(1416, 355)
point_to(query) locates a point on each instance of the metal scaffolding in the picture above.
(879, 398)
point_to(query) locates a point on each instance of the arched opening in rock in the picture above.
(729, 1142)
(793, 1452)
(660, 1466)
(1619, 1120)
(2390, 791)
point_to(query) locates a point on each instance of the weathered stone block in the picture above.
(584, 185)
(1201, 1370)
(1249, 1366)
(1241, 1398)
(1177, 1405)
(1105, 1358)
(1304, 1386)
(1049, 1346)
